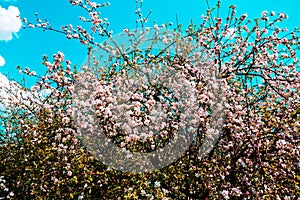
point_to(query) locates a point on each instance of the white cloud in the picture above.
(2, 61)
(4, 82)
(10, 92)
(10, 22)
(13, 95)
(230, 33)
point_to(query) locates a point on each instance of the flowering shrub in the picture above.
(45, 155)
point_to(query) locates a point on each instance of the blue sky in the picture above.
(26, 47)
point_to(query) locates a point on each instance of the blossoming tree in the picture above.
(50, 150)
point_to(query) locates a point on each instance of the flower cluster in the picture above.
(44, 153)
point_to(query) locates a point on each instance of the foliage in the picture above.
(256, 157)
